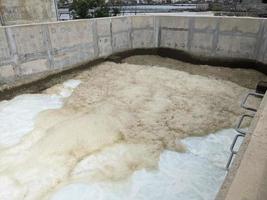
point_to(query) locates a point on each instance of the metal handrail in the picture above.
(232, 148)
(233, 151)
(242, 133)
(238, 127)
(229, 161)
(243, 104)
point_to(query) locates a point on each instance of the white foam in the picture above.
(17, 115)
(214, 147)
(68, 87)
(194, 175)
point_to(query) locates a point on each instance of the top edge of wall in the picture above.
(139, 15)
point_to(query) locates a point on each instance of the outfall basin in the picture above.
(146, 128)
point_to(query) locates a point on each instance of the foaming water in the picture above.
(118, 136)
(195, 175)
(17, 115)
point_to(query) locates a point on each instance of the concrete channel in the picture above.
(34, 57)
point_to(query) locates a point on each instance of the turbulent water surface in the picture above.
(157, 130)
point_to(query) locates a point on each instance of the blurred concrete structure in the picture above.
(251, 1)
(27, 11)
(259, 7)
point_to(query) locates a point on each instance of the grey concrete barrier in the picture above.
(41, 49)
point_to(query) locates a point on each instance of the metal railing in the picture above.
(255, 94)
(241, 133)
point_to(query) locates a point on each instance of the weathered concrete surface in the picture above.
(43, 48)
(247, 179)
(212, 36)
(71, 43)
(174, 33)
(143, 32)
(262, 46)
(27, 11)
(104, 36)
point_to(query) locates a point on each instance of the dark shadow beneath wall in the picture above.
(59, 77)
(193, 59)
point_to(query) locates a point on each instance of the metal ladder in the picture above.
(240, 132)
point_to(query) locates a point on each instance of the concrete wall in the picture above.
(215, 37)
(26, 11)
(43, 48)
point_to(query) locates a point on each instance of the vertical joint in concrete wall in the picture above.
(130, 32)
(48, 45)
(156, 31)
(264, 37)
(1, 14)
(95, 39)
(56, 9)
(159, 33)
(13, 50)
(1, 20)
(191, 28)
(215, 39)
(260, 43)
(111, 35)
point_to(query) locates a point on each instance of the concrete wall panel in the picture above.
(120, 42)
(72, 43)
(202, 43)
(103, 26)
(121, 24)
(29, 40)
(143, 22)
(34, 67)
(174, 22)
(121, 29)
(4, 48)
(104, 36)
(236, 25)
(143, 38)
(32, 49)
(69, 34)
(262, 40)
(29, 49)
(206, 23)
(7, 74)
(174, 39)
(236, 46)
(105, 46)
(74, 57)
